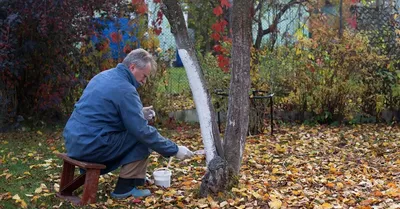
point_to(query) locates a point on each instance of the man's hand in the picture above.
(183, 153)
(149, 113)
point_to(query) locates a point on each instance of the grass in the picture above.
(25, 160)
(28, 161)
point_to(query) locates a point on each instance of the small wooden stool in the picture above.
(89, 180)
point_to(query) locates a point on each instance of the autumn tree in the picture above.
(223, 162)
(39, 54)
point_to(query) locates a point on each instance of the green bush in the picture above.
(324, 76)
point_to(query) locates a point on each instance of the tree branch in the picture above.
(274, 25)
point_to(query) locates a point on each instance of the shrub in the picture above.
(323, 75)
(38, 62)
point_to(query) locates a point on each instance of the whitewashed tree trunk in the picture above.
(222, 164)
(202, 99)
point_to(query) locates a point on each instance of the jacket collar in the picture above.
(125, 70)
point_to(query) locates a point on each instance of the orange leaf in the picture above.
(330, 185)
(217, 11)
(377, 193)
(141, 8)
(215, 36)
(225, 3)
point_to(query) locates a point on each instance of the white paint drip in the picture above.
(200, 100)
(241, 147)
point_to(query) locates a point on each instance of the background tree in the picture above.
(39, 54)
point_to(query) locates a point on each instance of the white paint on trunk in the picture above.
(241, 148)
(232, 123)
(201, 102)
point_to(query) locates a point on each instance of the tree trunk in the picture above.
(238, 107)
(340, 19)
(202, 99)
(219, 173)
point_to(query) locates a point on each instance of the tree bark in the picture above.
(222, 166)
(340, 19)
(208, 125)
(238, 107)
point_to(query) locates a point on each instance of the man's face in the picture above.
(141, 75)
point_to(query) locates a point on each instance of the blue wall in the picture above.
(106, 27)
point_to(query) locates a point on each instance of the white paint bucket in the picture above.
(162, 177)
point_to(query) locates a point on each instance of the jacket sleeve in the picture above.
(134, 121)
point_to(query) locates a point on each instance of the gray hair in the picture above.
(140, 58)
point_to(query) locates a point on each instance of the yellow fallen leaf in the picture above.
(223, 204)
(109, 201)
(275, 204)
(35, 198)
(159, 192)
(39, 132)
(339, 185)
(16, 197)
(393, 192)
(56, 187)
(326, 206)
(297, 192)
(214, 205)
(275, 170)
(27, 173)
(20, 201)
(234, 189)
(8, 175)
(279, 148)
(332, 169)
(265, 197)
(170, 193)
(38, 190)
(23, 204)
(180, 204)
(203, 205)
(256, 195)
(398, 160)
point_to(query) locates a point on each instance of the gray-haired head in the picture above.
(140, 58)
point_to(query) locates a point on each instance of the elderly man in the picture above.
(109, 125)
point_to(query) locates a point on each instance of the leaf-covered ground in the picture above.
(301, 167)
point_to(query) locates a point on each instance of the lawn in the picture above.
(301, 167)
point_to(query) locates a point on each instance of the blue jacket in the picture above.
(108, 126)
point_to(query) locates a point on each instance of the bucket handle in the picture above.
(163, 169)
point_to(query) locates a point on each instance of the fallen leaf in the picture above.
(38, 190)
(20, 201)
(326, 206)
(223, 204)
(275, 204)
